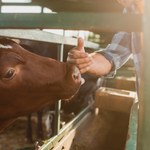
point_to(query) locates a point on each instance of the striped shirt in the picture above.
(122, 47)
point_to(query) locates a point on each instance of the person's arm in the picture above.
(102, 63)
(119, 50)
(94, 63)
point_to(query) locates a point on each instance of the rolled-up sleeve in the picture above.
(118, 51)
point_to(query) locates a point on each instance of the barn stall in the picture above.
(109, 129)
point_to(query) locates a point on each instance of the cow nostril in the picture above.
(78, 78)
(75, 76)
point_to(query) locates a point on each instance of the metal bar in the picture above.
(38, 35)
(18, 4)
(58, 104)
(49, 144)
(132, 141)
(73, 21)
(57, 117)
(144, 106)
(61, 50)
(80, 5)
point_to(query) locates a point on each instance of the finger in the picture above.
(77, 54)
(84, 65)
(80, 44)
(79, 61)
(84, 70)
(85, 60)
(70, 60)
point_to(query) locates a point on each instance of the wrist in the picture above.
(100, 65)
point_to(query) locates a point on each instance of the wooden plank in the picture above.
(125, 83)
(144, 91)
(114, 99)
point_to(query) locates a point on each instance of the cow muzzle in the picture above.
(76, 76)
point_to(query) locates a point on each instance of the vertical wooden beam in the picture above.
(144, 103)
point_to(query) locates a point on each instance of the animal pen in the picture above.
(102, 18)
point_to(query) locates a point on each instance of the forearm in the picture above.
(100, 66)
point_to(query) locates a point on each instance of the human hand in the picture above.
(79, 57)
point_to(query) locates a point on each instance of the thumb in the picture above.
(80, 44)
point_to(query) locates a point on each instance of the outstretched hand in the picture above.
(93, 63)
(79, 57)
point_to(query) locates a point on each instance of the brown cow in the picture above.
(29, 82)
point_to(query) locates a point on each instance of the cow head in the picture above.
(29, 82)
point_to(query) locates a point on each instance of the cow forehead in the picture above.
(5, 46)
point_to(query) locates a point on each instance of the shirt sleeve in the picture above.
(118, 51)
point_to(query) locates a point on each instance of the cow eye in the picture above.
(9, 74)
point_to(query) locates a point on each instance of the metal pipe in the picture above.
(73, 124)
(60, 53)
